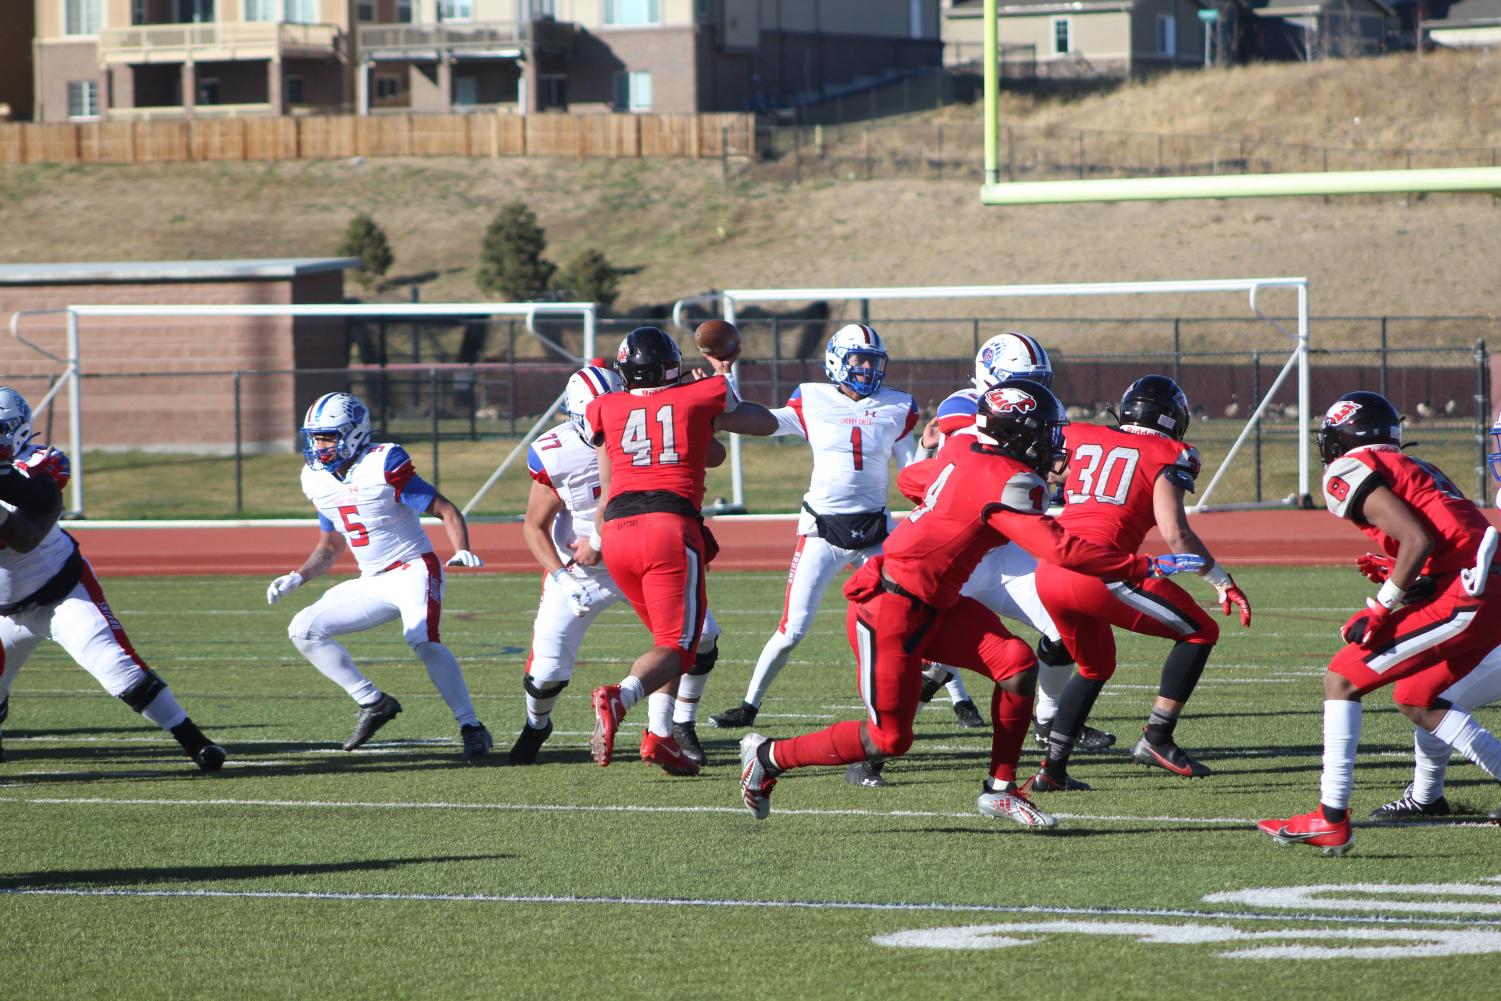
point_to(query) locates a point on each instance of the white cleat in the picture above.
(755, 784)
(1012, 805)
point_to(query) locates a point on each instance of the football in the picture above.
(717, 339)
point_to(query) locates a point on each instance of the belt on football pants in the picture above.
(916, 636)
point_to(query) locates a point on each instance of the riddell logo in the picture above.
(1341, 413)
(1010, 401)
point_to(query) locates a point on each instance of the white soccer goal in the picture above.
(71, 371)
(731, 299)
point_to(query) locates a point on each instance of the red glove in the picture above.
(47, 461)
(1365, 627)
(1231, 594)
(1376, 567)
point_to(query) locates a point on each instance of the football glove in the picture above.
(464, 558)
(581, 592)
(1173, 563)
(1230, 594)
(47, 461)
(1366, 627)
(1375, 567)
(283, 586)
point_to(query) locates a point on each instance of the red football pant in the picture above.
(1084, 609)
(657, 560)
(1429, 646)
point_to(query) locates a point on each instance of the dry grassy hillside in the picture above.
(679, 230)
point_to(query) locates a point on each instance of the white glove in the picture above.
(581, 592)
(283, 586)
(464, 558)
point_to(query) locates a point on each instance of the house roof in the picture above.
(162, 271)
(1469, 11)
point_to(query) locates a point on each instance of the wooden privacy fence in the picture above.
(334, 136)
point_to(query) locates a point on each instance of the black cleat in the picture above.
(524, 751)
(371, 719)
(1090, 740)
(1043, 782)
(476, 740)
(209, 757)
(206, 754)
(742, 715)
(1408, 808)
(866, 774)
(968, 715)
(1169, 757)
(686, 734)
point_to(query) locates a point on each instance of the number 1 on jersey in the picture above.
(856, 446)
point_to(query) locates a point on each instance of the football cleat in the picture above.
(755, 784)
(209, 758)
(524, 751)
(1012, 804)
(206, 754)
(665, 751)
(608, 712)
(686, 735)
(1169, 757)
(1407, 808)
(1043, 782)
(476, 740)
(866, 774)
(742, 715)
(1310, 829)
(1090, 740)
(967, 715)
(1495, 816)
(371, 719)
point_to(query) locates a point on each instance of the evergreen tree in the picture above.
(511, 265)
(364, 239)
(590, 278)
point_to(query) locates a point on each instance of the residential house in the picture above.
(15, 63)
(1466, 24)
(1083, 39)
(1305, 30)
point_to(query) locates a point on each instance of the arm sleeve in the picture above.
(911, 421)
(325, 524)
(1047, 540)
(790, 418)
(913, 481)
(536, 469)
(31, 496)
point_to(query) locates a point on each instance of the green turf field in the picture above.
(399, 872)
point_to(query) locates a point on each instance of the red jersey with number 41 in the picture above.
(1112, 473)
(658, 439)
(1453, 521)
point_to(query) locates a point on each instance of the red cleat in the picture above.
(608, 712)
(665, 751)
(1311, 829)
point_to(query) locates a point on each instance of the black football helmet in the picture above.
(648, 358)
(1356, 419)
(1022, 419)
(1156, 402)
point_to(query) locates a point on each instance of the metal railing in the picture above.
(397, 38)
(254, 39)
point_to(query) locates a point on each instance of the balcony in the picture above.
(216, 42)
(398, 41)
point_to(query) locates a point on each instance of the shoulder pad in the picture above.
(1346, 481)
(1025, 493)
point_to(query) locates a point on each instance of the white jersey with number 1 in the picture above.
(376, 506)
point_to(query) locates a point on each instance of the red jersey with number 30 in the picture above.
(658, 439)
(1112, 473)
(1453, 521)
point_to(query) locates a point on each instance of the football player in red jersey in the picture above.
(1121, 482)
(1422, 638)
(655, 442)
(980, 491)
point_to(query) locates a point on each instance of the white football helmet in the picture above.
(335, 413)
(856, 359)
(15, 424)
(583, 386)
(1011, 356)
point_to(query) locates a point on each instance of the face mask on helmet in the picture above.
(1493, 458)
(1157, 403)
(340, 416)
(648, 358)
(1011, 356)
(856, 359)
(15, 424)
(1023, 419)
(1357, 419)
(584, 386)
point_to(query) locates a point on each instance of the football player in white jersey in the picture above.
(49, 591)
(369, 500)
(855, 427)
(576, 586)
(1004, 581)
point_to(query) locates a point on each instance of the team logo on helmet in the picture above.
(1009, 400)
(624, 352)
(987, 355)
(1343, 412)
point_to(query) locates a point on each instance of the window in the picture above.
(262, 10)
(81, 17)
(294, 90)
(300, 11)
(1062, 36)
(1167, 35)
(632, 13)
(403, 11)
(293, 11)
(632, 91)
(456, 10)
(365, 10)
(83, 98)
(386, 87)
(195, 11)
(465, 91)
(138, 12)
(552, 91)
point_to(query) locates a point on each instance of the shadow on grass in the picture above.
(102, 759)
(149, 876)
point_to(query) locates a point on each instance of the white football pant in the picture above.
(1481, 686)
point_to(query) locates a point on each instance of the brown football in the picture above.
(717, 339)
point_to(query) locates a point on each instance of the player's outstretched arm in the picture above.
(457, 529)
(319, 562)
(748, 418)
(1172, 522)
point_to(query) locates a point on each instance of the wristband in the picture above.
(1217, 575)
(558, 573)
(1390, 595)
(595, 540)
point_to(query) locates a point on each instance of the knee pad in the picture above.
(544, 689)
(1053, 654)
(143, 692)
(704, 660)
(418, 638)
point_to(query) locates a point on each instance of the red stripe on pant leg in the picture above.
(797, 557)
(96, 595)
(531, 652)
(434, 595)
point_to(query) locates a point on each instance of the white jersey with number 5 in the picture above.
(853, 442)
(375, 506)
(560, 460)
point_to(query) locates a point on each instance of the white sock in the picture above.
(631, 692)
(659, 714)
(1051, 679)
(1430, 761)
(955, 685)
(335, 664)
(1459, 730)
(690, 690)
(1341, 737)
(443, 670)
(774, 656)
(538, 711)
(164, 710)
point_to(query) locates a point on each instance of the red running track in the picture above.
(1274, 538)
